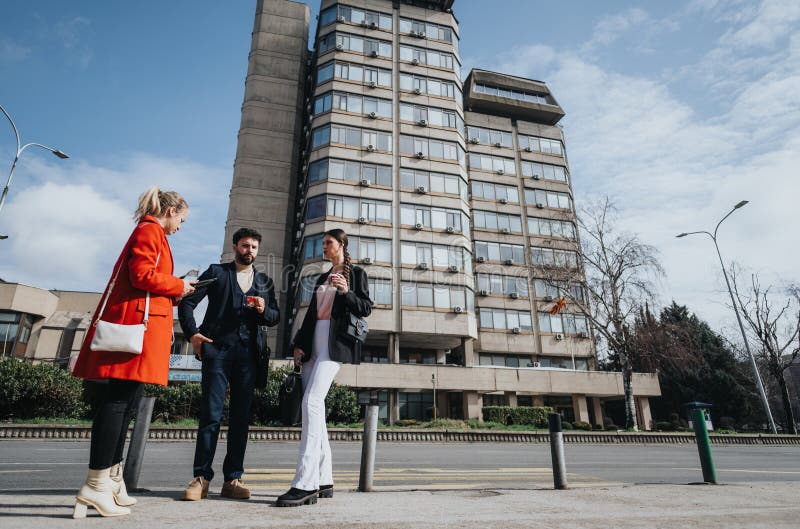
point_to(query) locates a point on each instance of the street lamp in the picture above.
(56, 152)
(760, 385)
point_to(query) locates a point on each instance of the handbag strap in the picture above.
(110, 288)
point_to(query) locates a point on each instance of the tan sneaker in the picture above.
(235, 490)
(197, 489)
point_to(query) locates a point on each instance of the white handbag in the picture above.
(119, 337)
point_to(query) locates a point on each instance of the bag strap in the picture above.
(110, 288)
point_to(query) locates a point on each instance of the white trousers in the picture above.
(314, 465)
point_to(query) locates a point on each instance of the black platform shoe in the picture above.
(296, 497)
(326, 491)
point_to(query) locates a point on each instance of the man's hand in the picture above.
(197, 340)
(298, 357)
(260, 304)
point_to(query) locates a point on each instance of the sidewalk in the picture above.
(768, 505)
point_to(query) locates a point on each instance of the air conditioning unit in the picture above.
(420, 155)
(474, 141)
(540, 205)
(537, 177)
(422, 123)
(370, 148)
(372, 25)
(364, 182)
(422, 190)
(372, 115)
(536, 364)
(450, 229)
(528, 149)
(421, 34)
(418, 226)
(480, 259)
(458, 310)
(373, 53)
(508, 262)
(452, 269)
(415, 62)
(505, 230)
(515, 330)
(363, 23)
(339, 47)
(341, 19)
(363, 220)
(514, 295)
(422, 266)
(366, 260)
(417, 91)
(583, 335)
(498, 144)
(547, 298)
(559, 336)
(503, 201)
(372, 84)
(483, 293)
(501, 171)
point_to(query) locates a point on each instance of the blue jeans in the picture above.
(224, 364)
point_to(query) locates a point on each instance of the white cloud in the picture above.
(67, 220)
(609, 28)
(11, 51)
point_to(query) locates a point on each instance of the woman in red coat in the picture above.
(144, 266)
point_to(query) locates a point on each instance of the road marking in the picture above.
(747, 471)
(20, 471)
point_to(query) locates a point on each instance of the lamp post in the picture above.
(760, 384)
(20, 149)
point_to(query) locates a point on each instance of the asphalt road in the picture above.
(37, 465)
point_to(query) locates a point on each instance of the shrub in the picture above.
(612, 427)
(30, 390)
(664, 426)
(341, 405)
(566, 425)
(532, 415)
(406, 422)
(175, 403)
(598, 428)
(580, 425)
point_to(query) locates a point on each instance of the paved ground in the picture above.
(428, 485)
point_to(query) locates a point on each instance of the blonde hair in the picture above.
(155, 202)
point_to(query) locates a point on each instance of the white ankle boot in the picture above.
(118, 487)
(97, 492)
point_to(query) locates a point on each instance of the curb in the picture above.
(167, 433)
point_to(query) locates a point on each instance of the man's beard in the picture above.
(244, 259)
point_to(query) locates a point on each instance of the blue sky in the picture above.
(678, 110)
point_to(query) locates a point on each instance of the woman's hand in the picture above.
(340, 283)
(298, 357)
(188, 287)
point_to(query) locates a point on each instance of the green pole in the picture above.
(703, 445)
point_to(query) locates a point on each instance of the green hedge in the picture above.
(533, 415)
(30, 390)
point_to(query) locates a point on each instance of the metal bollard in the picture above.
(368, 442)
(557, 452)
(141, 430)
(703, 445)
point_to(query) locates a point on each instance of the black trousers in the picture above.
(110, 427)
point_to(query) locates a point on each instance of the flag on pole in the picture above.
(558, 306)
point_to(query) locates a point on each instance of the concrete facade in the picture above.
(382, 129)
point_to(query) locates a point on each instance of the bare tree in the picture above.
(774, 325)
(619, 272)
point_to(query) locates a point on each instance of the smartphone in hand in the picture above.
(204, 283)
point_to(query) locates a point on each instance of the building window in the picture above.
(489, 191)
(349, 171)
(354, 15)
(416, 406)
(520, 95)
(443, 297)
(434, 255)
(15, 331)
(559, 289)
(563, 323)
(357, 73)
(419, 28)
(555, 258)
(374, 354)
(430, 58)
(380, 291)
(427, 147)
(546, 198)
(437, 117)
(498, 138)
(417, 356)
(492, 251)
(348, 208)
(430, 86)
(551, 228)
(354, 44)
(490, 399)
(436, 218)
(353, 103)
(489, 220)
(545, 145)
(504, 319)
(411, 180)
(542, 170)
(485, 162)
(377, 250)
(501, 285)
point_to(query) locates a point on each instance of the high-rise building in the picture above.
(455, 195)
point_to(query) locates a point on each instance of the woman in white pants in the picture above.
(322, 345)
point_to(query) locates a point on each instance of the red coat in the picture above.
(138, 274)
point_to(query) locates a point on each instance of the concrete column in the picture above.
(441, 405)
(538, 400)
(440, 356)
(473, 405)
(394, 348)
(394, 406)
(511, 396)
(598, 411)
(646, 419)
(469, 351)
(580, 408)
